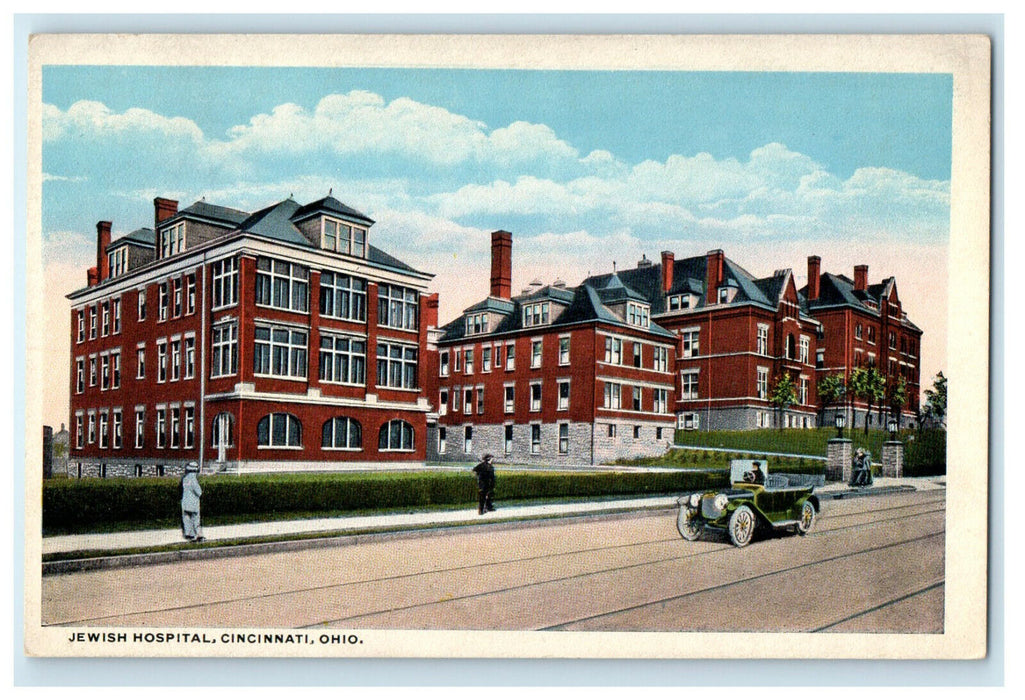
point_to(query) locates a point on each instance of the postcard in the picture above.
(508, 346)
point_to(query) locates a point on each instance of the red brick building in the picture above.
(274, 340)
(555, 375)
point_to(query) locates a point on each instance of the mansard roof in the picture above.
(331, 206)
(140, 237)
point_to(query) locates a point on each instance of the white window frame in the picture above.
(397, 301)
(510, 357)
(535, 438)
(334, 242)
(564, 438)
(408, 367)
(536, 353)
(613, 350)
(287, 289)
(115, 312)
(343, 296)
(140, 310)
(537, 314)
(293, 431)
(443, 363)
(345, 434)
(536, 402)
(564, 350)
(562, 402)
(172, 239)
(343, 347)
(690, 341)
(509, 397)
(294, 346)
(690, 381)
(402, 447)
(189, 357)
(224, 350)
(762, 383)
(79, 375)
(140, 428)
(176, 358)
(224, 283)
(613, 396)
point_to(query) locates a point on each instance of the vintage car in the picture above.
(755, 500)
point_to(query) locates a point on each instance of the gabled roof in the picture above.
(838, 290)
(615, 292)
(330, 205)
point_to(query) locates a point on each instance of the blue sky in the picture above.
(584, 167)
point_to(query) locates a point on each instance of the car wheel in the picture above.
(689, 525)
(807, 518)
(742, 526)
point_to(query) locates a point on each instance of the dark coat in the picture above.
(485, 472)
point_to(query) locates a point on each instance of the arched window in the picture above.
(396, 435)
(279, 430)
(342, 434)
(223, 426)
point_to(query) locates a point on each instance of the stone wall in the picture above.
(839, 455)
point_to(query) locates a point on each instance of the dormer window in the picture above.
(172, 239)
(678, 302)
(118, 261)
(476, 324)
(343, 237)
(725, 294)
(637, 314)
(537, 314)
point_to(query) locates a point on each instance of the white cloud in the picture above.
(91, 120)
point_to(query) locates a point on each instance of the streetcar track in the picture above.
(932, 586)
(538, 557)
(737, 582)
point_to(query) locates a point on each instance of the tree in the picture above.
(897, 397)
(869, 384)
(832, 390)
(783, 394)
(935, 410)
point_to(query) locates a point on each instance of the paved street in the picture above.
(871, 564)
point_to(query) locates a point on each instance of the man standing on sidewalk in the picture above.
(485, 472)
(191, 492)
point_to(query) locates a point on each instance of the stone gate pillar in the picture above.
(893, 458)
(839, 452)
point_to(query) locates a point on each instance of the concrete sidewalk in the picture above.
(142, 539)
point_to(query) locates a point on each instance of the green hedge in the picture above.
(76, 504)
(925, 453)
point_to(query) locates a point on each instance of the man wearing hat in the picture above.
(485, 472)
(191, 492)
(861, 474)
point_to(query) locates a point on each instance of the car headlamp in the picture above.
(721, 500)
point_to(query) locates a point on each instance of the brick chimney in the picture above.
(713, 274)
(860, 278)
(814, 266)
(163, 209)
(501, 264)
(431, 311)
(92, 276)
(102, 241)
(668, 258)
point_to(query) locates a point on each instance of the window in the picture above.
(612, 430)
(535, 354)
(613, 395)
(614, 351)
(535, 396)
(510, 398)
(788, 350)
(468, 439)
(140, 428)
(564, 350)
(660, 398)
(510, 357)
(397, 366)
(79, 434)
(160, 427)
(637, 398)
(443, 401)
(92, 322)
(691, 343)
(279, 352)
(688, 421)
(343, 237)
(661, 360)
(508, 439)
(91, 438)
(457, 397)
(457, 355)
(343, 360)
(638, 355)
(79, 375)
(342, 296)
(535, 439)
(468, 360)
(190, 357)
(762, 347)
(172, 239)
(225, 283)
(480, 399)
(223, 432)
(441, 439)
(396, 436)
(163, 301)
(802, 393)
(468, 400)
(485, 360)
(118, 261)
(81, 325)
(680, 301)
(443, 359)
(689, 384)
(142, 305)
(104, 372)
(105, 315)
(802, 353)
(477, 323)
(342, 433)
(893, 340)
(724, 295)
(92, 370)
(397, 307)
(637, 314)
(282, 285)
(177, 303)
(115, 307)
(224, 344)
(762, 382)
(176, 358)
(190, 426)
(563, 438)
(115, 369)
(858, 333)
(872, 335)
(563, 395)
(176, 416)
(103, 430)
(498, 357)
(820, 358)
(537, 314)
(637, 432)
(658, 434)
(190, 293)
(279, 430)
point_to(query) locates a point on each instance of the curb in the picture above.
(871, 491)
(116, 561)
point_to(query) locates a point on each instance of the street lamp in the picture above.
(838, 420)
(891, 425)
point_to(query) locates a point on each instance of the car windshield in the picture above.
(739, 467)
